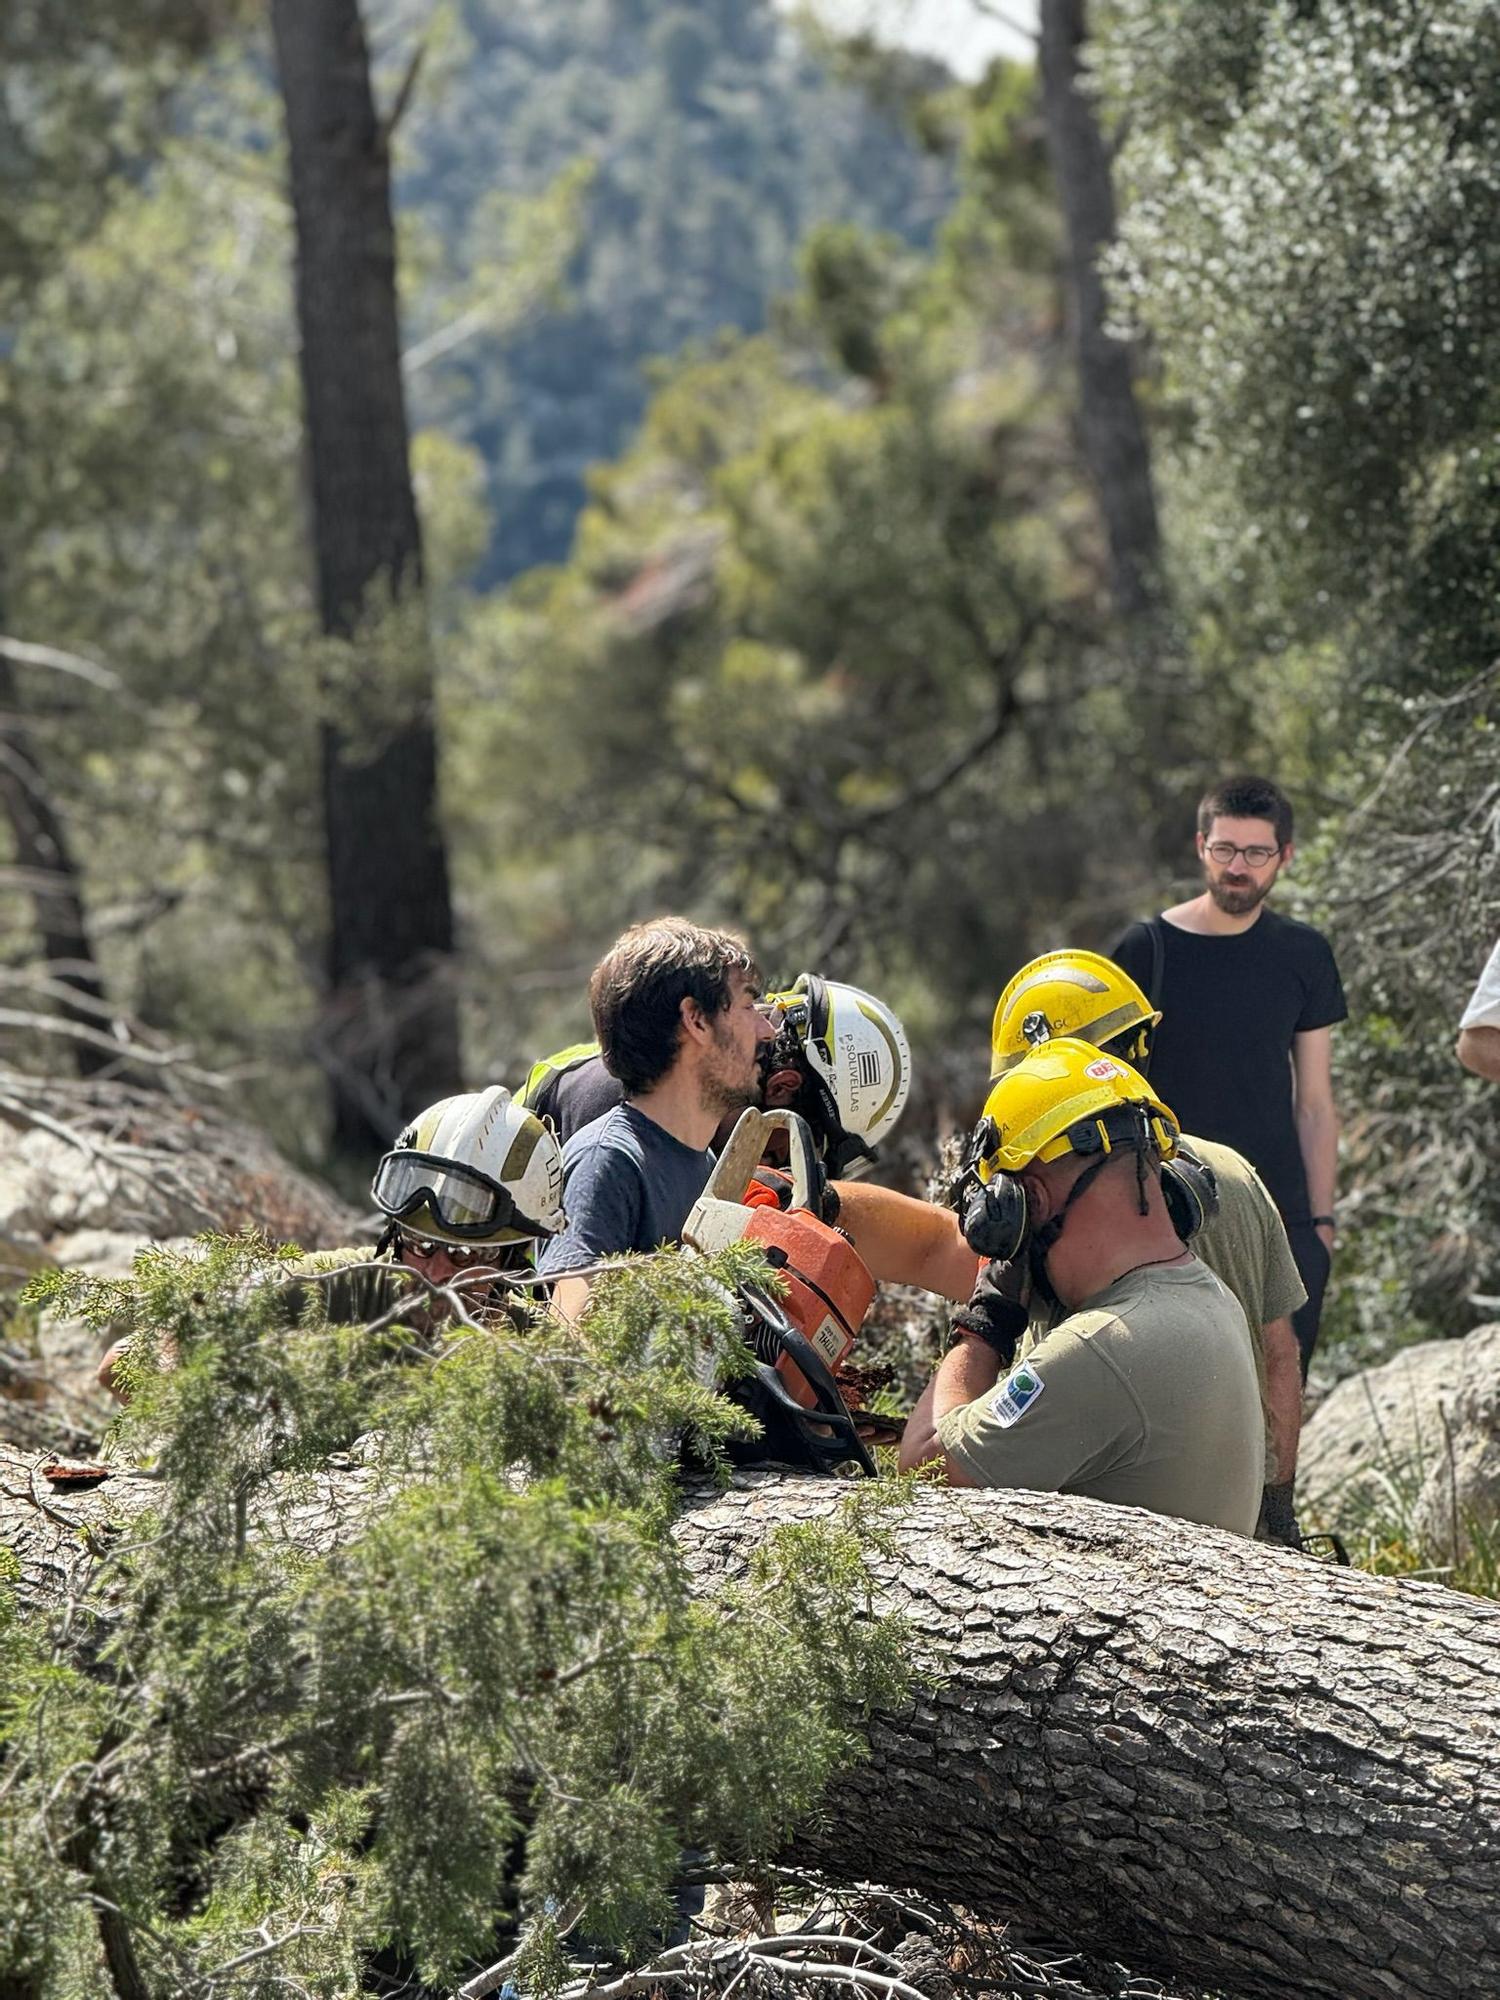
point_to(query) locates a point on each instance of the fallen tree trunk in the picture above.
(1203, 1757)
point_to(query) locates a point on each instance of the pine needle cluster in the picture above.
(402, 1668)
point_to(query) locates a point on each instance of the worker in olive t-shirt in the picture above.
(1144, 1394)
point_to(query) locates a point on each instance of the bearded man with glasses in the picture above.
(1250, 999)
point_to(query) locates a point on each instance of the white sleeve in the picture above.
(1483, 1010)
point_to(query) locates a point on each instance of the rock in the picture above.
(20, 1258)
(115, 1158)
(1412, 1448)
(89, 1174)
(1367, 1448)
(106, 1253)
(1460, 1496)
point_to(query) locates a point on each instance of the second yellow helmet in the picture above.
(1075, 993)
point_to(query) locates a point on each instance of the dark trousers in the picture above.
(1313, 1263)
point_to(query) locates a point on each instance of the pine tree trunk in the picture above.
(1206, 1758)
(391, 1034)
(1198, 1755)
(1165, 752)
(1115, 444)
(46, 862)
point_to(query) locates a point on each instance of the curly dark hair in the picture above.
(638, 987)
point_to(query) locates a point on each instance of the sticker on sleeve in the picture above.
(1016, 1395)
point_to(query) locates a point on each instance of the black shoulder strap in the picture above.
(1158, 955)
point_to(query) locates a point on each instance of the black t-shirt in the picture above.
(575, 1097)
(1221, 1056)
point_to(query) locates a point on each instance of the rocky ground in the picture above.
(88, 1174)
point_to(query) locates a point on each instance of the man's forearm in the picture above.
(1283, 1394)
(1479, 1052)
(1318, 1139)
(569, 1297)
(969, 1369)
(907, 1242)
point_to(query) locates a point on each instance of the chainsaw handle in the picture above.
(844, 1444)
(801, 1157)
(742, 1153)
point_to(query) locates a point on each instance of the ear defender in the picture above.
(993, 1217)
(991, 1213)
(1192, 1194)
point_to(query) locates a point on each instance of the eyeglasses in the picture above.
(1224, 851)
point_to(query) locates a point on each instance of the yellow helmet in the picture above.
(1066, 1097)
(1069, 993)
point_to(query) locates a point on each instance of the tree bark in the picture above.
(1115, 444)
(390, 1039)
(46, 860)
(1164, 755)
(1198, 1755)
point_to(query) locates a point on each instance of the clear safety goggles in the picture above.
(460, 1199)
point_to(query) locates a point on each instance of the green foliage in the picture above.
(50, 1719)
(1310, 241)
(717, 139)
(474, 1691)
(823, 650)
(572, 201)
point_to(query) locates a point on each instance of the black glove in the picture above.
(1278, 1515)
(825, 1197)
(996, 1313)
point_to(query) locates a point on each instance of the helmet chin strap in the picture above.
(1044, 1238)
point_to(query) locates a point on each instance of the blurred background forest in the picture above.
(770, 513)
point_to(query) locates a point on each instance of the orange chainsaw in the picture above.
(800, 1339)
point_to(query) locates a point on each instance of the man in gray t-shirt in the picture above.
(630, 1186)
(678, 1019)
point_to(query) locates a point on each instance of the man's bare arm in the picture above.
(1317, 1116)
(1479, 1051)
(967, 1371)
(908, 1242)
(1283, 1394)
(569, 1297)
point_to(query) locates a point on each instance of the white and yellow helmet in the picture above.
(855, 1047)
(476, 1168)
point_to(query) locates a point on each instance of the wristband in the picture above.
(1319, 1221)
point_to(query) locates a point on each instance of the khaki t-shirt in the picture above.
(1246, 1245)
(1146, 1396)
(1246, 1242)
